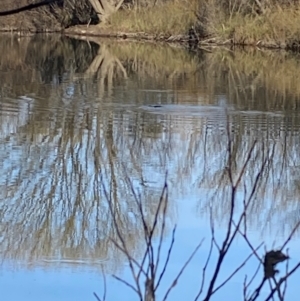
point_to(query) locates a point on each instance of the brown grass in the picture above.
(239, 22)
(277, 25)
(168, 18)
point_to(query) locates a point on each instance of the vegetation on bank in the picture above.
(272, 23)
(174, 17)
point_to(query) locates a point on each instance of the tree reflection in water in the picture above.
(81, 123)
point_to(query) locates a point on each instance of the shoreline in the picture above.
(84, 32)
(185, 23)
(80, 31)
(98, 31)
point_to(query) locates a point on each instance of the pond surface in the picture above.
(83, 124)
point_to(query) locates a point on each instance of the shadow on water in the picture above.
(71, 118)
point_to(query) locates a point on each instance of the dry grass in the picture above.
(238, 21)
(278, 27)
(169, 18)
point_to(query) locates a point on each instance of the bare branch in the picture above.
(286, 271)
(162, 230)
(128, 255)
(204, 268)
(282, 280)
(245, 164)
(168, 258)
(126, 283)
(290, 236)
(212, 243)
(236, 270)
(124, 247)
(182, 270)
(96, 296)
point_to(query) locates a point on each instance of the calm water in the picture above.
(78, 119)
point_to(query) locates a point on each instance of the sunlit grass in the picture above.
(168, 18)
(278, 27)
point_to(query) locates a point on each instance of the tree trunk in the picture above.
(105, 8)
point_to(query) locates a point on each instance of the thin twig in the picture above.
(104, 282)
(256, 293)
(96, 296)
(182, 270)
(254, 276)
(286, 271)
(204, 269)
(245, 288)
(148, 232)
(254, 187)
(229, 238)
(212, 243)
(236, 270)
(167, 260)
(128, 255)
(162, 231)
(126, 283)
(280, 297)
(282, 280)
(245, 164)
(249, 244)
(212, 229)
(124, 247)
(290, 236)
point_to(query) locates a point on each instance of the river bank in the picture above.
(198, 23)
(192, 23)
(80, 31)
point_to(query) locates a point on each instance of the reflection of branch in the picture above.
(54, 205)
(282, 280)
(182, 269)
(290, 236)
(104, 289)
(241, 220)
(149, 268)
(229, 236)
(104, 66)
(149, 264)
(237, 269)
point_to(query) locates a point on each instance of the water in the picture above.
(81, 121)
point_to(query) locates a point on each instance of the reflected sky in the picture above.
(81, 120)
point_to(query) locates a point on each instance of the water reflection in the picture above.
(72, 116)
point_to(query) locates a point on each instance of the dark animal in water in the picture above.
(155, 106)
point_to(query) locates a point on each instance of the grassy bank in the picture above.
(173, 17)
(272, 23)
(278, 27)
(209, 21)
